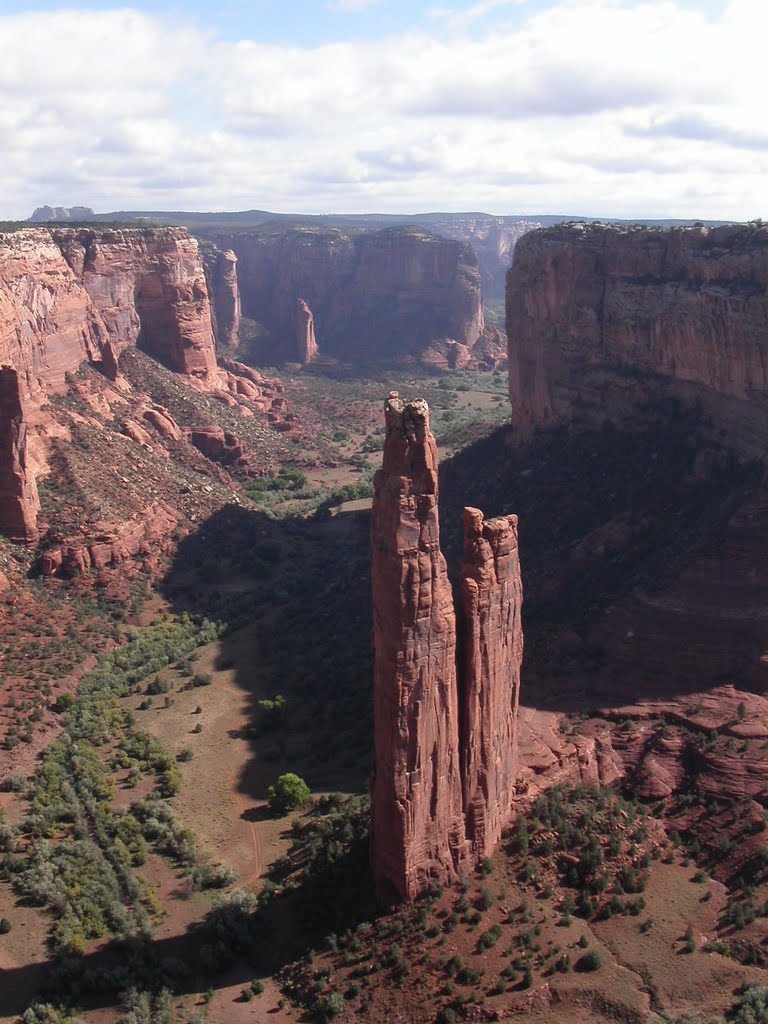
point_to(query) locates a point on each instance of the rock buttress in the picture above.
(491, 600)
(417, 819)
(224, 293)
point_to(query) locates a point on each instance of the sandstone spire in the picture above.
(491, 598)
(417, 819)
(445, 747)
(306, 343)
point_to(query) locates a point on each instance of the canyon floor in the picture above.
(644, 671)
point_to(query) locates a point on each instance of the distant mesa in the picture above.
(445, 732)
(47, 214)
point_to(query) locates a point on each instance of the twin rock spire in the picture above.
(445, 730)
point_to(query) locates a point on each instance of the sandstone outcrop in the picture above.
(601, 318)
(445, 746)
(218, 445)
(374, 295)
(110, 544)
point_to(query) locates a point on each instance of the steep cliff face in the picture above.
(445, 746)
(597, 316)
(73, 295)
(491, 601)
(48, 322)
(149, 287)
(373, 295)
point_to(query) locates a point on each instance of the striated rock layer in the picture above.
(149, 287)
(445, 749)
(374, 295)
(600, 318)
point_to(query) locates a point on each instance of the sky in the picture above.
(605, 108)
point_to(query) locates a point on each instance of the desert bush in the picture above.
(591, 961)
(289, 792)
(489, 938)
(751, 1007)
(13, 783)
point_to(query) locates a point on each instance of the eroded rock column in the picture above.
(416, 793)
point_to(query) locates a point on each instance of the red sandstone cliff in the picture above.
(48, 322)
(445, 748)
(74, 295)
(491, 599)
(594, 311)
(374, 295)
(149, 287)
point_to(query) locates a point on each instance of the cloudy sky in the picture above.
(626, 108)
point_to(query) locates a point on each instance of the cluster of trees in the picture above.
(79, 859)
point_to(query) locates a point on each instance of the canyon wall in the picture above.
(71, 295)
(445, 739)
(600, 318)
(149, 287)
(373, 295)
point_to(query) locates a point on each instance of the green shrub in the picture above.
(591, 961)
(289, 792)
(751, 1006)
(63, 703)
(13, 783)
(157, 686)
(489, 938)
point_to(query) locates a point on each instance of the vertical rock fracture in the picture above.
(445, 738)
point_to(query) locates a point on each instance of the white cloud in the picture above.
(351, 6)
(590, 106)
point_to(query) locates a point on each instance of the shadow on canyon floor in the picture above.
(231, 946)
(605, 516)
